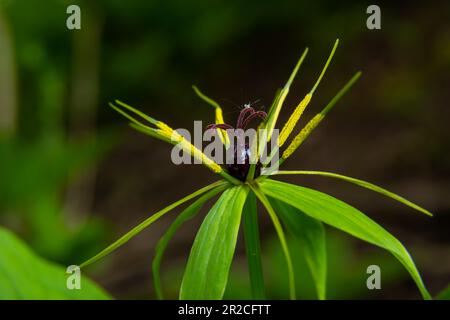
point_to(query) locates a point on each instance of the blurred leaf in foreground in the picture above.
(25, 275)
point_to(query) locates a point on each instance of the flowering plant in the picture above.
(301, 211)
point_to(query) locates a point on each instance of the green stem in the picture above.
(279, 229)
(230, 178)
(251, 172)
(253, 249)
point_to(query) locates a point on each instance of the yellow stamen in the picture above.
(304, 133)
(275, 110)
(164, 127)
(196, 153)
(222, 133)
(295, 116)
(166, 133)
(293, 119)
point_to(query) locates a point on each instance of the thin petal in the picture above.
(295, 116)
(363, 184)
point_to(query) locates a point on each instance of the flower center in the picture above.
(241, 164)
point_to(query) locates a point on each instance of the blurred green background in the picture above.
(74, 176)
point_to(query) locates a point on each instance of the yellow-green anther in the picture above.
(293, 119)
(173, 137)
(222, 133)
(196, 153)
(295, 116)
(161, 130)
(218, 115)
(312, 124)
(275, 111)
(304, 133)
(167, 134)
(164, 127)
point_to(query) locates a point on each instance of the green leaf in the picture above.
(363, 184)
(130, 234)
(340, 215)
(184, 216)
(25, 275)
(311, 235)
(211, 255)
(253, 247)
(444, 294)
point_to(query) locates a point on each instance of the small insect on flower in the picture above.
(302, 211)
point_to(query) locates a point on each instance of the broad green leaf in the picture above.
(25, 275)
(363, 184)
(130, 234)
(340, 215)
(211, 255)
(253, 247)
(184, 216)
(311, 235)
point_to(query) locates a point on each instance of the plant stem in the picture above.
(230, 178)
(278, 228)
(252, 246)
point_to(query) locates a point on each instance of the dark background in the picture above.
(74, 176)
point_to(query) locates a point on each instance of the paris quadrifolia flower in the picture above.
(295, 211)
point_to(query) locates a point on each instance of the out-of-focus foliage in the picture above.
(24, 275)
(39, 157)
(444, 294)
(31, 188)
